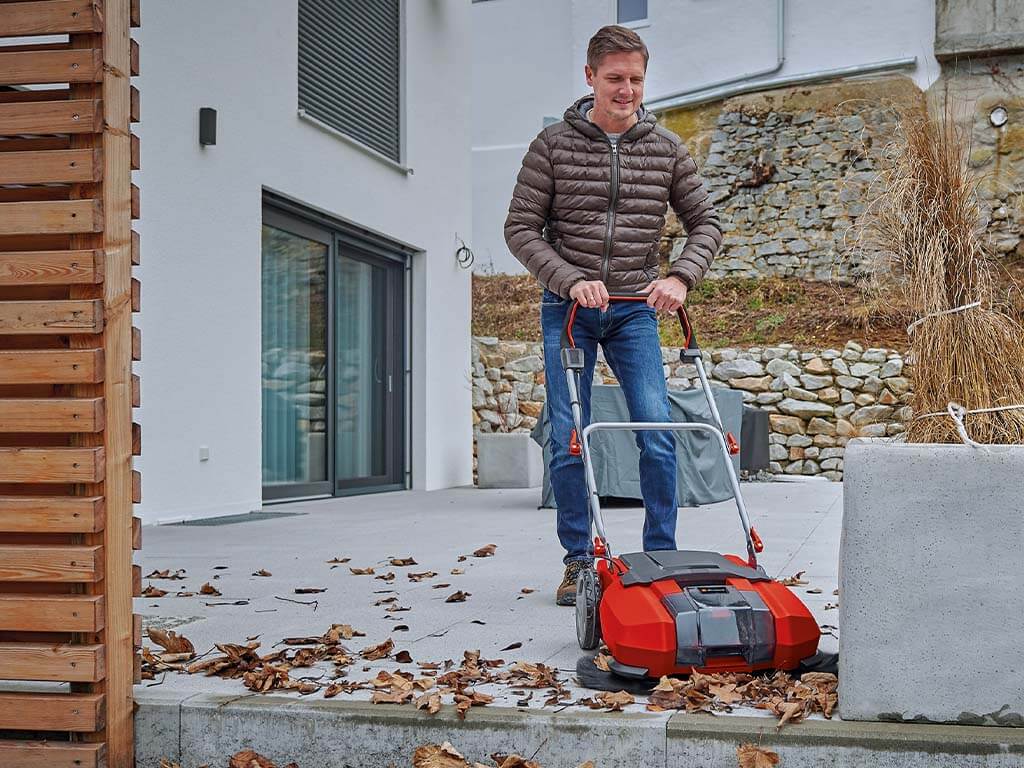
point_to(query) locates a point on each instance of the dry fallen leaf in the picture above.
(815, 591)
(601, 661)
(389, 576)
(309, 590)
(750, 756)
(362, 571)
(421, 576)
(458, 571)
(443, 585)
(178, 574)
(794, 580)
(527, 590)
(263, 572)
(403, 657)
(430, 701)
(151, 591)
(170, 641)
(512, 646)
(485, 551)
(247, 758)
(614, 702)
(458, 597)
(339, 560)
(379, 651)
(209, 589)
(435, 756)
(400, 562)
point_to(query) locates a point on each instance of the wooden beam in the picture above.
(136, 153)
(64, 317)
(51, 563)
(136, 533)
(61, 662)
(136, 487)
(52, 17)
(51, 514)
(51, 465)
(136, 202)
(78, 116)
(136, 295)
(51, 613)
(134, 107)
(78, 712)
(136, 581)
(136, 344)
(136, 439)
(51, 366)
(72, 414)
(136, 391)
(69, 166)
(136, 249)
(52, 754)
(83, 65)
(51, 217)
(51, 267)
(134, 14)
(137, 630)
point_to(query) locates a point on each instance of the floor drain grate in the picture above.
(245, 517)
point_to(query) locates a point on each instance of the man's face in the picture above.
(618, 85)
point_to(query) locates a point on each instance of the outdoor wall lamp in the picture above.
(207, 126)
(998, 116)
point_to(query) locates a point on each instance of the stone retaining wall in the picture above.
(817, 399)
(790, 170)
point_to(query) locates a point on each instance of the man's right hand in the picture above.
(590, 293)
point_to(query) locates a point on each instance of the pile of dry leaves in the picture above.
(792, 700)
(446, 756)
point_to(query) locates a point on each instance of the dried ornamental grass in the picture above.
(923, 227)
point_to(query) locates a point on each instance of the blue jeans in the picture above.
(628, 334)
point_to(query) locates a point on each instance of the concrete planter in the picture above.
(931, 580)
(508, 460)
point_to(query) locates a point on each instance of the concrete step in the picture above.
(197, 729)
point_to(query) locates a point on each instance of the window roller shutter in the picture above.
(349, 69)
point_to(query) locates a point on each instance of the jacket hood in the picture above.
(576, 116)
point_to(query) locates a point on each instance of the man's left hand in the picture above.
(667, 294)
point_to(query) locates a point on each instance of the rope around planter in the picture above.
(954, 310)
(957, 412)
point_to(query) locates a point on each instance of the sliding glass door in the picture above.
(369, 369)
(333, 361)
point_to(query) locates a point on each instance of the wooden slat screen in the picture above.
(66, 385)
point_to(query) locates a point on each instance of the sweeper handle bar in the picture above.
(573, 365)
(570, 318)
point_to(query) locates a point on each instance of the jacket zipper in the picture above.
(612, 200)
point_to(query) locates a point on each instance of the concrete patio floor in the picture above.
(799, 522)
(197, 719)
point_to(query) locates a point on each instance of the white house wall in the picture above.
(200, 234)
(692, 43)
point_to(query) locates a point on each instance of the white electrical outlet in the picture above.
(204, 453)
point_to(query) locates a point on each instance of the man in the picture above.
(585, 219)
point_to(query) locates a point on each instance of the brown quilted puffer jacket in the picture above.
(584, 209)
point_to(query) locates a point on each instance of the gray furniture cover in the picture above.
(701, 476)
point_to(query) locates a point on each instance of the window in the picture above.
(632, 12)
(350, 59)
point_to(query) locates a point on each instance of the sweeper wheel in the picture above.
(588, 619)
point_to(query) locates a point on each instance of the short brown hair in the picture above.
(614, 39)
